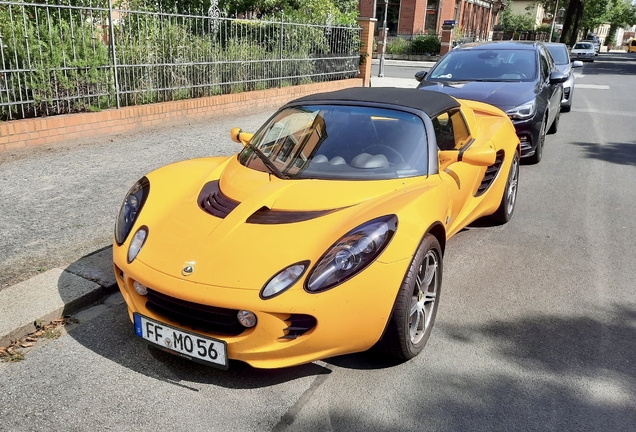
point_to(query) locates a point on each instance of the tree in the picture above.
(620, 14)
(594, 15)
(515, 22)
(305, 10)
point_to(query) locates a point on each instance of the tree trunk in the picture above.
(577, 24)
(569, 17)
(611, 36)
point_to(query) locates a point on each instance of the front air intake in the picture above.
(298, 325)
(491, 174)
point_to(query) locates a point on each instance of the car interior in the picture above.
(368, 142)
(487, 65)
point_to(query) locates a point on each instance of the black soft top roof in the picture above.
(431, 102)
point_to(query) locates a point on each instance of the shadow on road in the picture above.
(612, 64)
(565, 373)
(110, 334)
(618, 153)
(558, 374)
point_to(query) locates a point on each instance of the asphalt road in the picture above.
(536, 328)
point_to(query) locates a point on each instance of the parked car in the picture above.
(324, 236)
(562, 61)
(520, 78)
(596, 42)
(583, 51)
(632, 46)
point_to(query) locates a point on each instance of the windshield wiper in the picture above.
(268, 163)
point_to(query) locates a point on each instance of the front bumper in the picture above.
(583, 57)
(348, 318)
(567, 91)
(528, 132)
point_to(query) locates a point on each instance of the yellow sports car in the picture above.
(324, 236)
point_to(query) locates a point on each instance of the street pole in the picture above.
(554, 17)
(384, 32)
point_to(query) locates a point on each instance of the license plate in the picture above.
(192, 346)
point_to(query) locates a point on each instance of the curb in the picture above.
(54, 294)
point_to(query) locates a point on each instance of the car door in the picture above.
(552, 92)
(461, 179)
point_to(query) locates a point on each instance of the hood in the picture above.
(271, 223)
(503, 95)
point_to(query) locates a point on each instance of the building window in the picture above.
(392, 18)
(430, 22)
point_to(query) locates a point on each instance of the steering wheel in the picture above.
(391, 150)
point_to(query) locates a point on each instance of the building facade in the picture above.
(473, 18)
(532, 8)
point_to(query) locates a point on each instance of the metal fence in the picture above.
(86, 55)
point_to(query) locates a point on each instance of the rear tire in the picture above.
(416, 304)
(509, 198)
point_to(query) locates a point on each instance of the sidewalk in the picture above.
(393, 82)
(55, 293)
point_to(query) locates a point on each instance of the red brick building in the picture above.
(474, 18)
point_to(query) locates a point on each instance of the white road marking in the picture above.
(611, 113)
(592, 86)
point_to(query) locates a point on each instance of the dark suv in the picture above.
(520, 78)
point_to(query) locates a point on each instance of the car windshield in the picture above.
(486, 65)
(559, 54)
(341, 143)
(583, 46)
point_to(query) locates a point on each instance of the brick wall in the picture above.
(366, 8)
(447, 12)
(412, 15)
(48, 130)
(366, 40)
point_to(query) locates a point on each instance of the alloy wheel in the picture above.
(512, 185)
(424, 297)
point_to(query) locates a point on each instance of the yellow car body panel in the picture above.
(234, 259)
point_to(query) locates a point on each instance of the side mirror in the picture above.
(577, 64)
(239, 136)
(420, 75)
(479, 156)
(557, 77)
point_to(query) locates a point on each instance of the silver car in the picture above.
(561, 58)
(583, 50)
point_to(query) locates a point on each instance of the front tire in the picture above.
(509, 198)
(538, 152)
(555, 124)
(416, 304)
(566, 108)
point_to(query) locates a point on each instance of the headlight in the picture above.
(523, 112)
(130, 209)
(283, 280)
(137, 242)
(352, 253)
